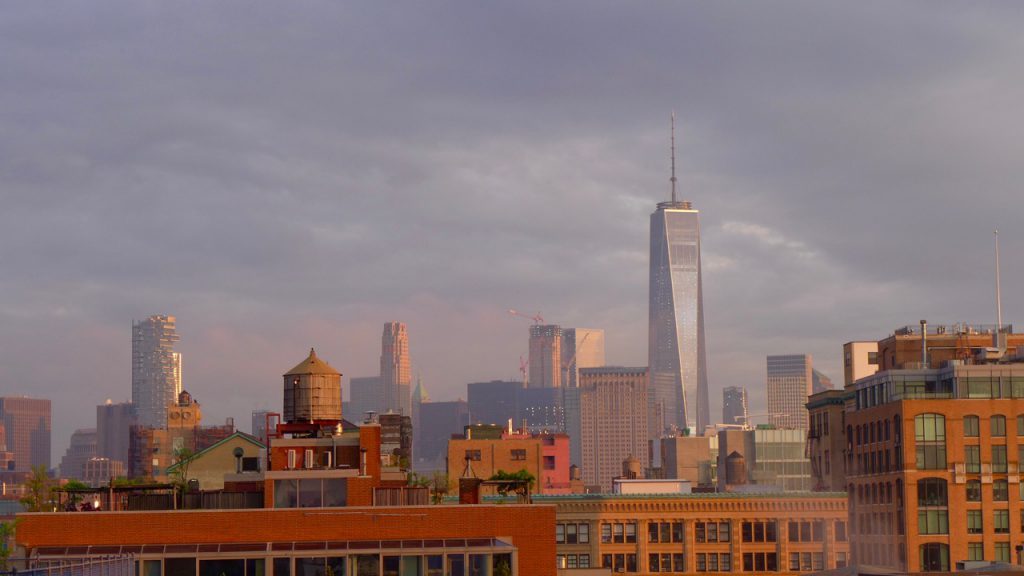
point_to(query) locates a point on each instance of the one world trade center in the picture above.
(678, 392)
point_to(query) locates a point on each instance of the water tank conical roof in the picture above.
(312, 365)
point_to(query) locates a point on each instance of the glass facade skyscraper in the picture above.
(678, 395)
(156, 369)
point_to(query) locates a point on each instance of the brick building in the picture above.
(695, 533)
(545, 456)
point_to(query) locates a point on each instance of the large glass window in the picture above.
(222, 567)
(931, 492)
(286, 493)
(1000, 490)
(930, 437)
(1001, 521)
(971, 426)
(183, 567)
(974, 522)
(933, 521)
(1002, 550)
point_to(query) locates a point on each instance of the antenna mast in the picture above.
(673, 178)
(999, 297)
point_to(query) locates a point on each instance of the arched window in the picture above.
(934, 557)
(998, 424)
(971, 427)
(930, 441)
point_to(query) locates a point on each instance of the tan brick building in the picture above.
(695, 533)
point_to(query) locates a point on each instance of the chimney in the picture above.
(924, 344)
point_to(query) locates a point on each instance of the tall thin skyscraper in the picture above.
(581, 348)
(395, 370)
(156, 369)
(789, 384)
(679, 383)
(734, 405)
(545, 356)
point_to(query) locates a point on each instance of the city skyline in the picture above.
(447, 174)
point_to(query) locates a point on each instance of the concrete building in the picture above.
(101, 471)
(395, 369)
(113, 429)
(545, 456)
(437, 423)
(156, 369)
(734, 406)
(700, 533)
(581, 348)
(545, 356)
(676, 351)
(81, 449)
(366, 394)
(27, 425)
(687, 458)
(613, 421)
(789, 383)
(860, 360)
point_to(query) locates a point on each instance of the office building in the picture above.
(27, 425)
(545, 356)
(541, 409)
(676, 352)
(395, 369)
(826, 439)
(789, 383)
(581, 348)
(81, 449)
(734, 406)
(156, 369)
(113, 429)
(613, 422)
(700, 533)
(437, 422)
(6, 456)
(820, 382)
(366, 394)
(101, 471)
(494, 402)
(763, 460)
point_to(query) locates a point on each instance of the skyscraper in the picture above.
(734, 405)
(613, 421)
(113, 429)
(395, 370)
(581, 348)
(27, 423)
(545, 356)
(676, 355)
(365, 394)
(156, 369)
(789, 384)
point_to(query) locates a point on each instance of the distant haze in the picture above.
(280, 177)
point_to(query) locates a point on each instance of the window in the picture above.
(759, 532)
(618, 533)
(932, 521)
(998, 423)
(711, 532)
(584, 533)
(713, 562)
(840, 531)
(974, 490)
(631, 534)
(1000, 491)
(549, 462)
(972, 459)
(974, 525)
(934, 557)
(519, 454)
(665, 562)
(473, 455)
(571, 537)
(1020, 424)
(606, 533)
(971, 427)
(999, 458)
(975, 551)
(931, 492)
(806, 531)
(1001, 521)
(760, 562)
(559, 533)
(677, 531)
(930, 437)
(1002, 551)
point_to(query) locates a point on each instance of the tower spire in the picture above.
(673, 178)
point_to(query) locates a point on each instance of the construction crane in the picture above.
(523, 365)
(537, 318)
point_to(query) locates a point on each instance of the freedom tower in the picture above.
(678, 391)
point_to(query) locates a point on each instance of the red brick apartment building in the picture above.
(930, 449)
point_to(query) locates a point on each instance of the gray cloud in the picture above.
(282, 177)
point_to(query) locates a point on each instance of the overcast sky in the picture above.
(281, 176)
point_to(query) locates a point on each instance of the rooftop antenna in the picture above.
(673, 178)
(999, 297)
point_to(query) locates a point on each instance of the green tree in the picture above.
(520, 482)
(6, 534)
(440, 485)
(38, 490)
(182, 460)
